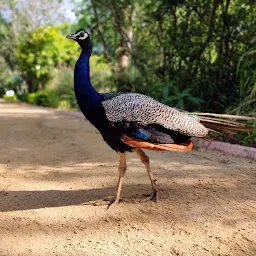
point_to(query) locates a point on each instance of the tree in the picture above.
(41, 52)
(191, 44)
(20, 18)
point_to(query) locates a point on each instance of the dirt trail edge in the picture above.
(51, 165)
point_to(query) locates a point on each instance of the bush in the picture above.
(59, 93)
(38, 98)
(61, 90)
(64, 104)
(2, 91)
(170, 94)
(250, 139)
(23, 97)
(100, 74)
(10, 98)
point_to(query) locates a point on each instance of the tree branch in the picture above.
(215, 5)
(99, 32)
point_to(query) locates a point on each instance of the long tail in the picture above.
(224, 124)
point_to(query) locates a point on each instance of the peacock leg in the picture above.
(107, 201)
(145, 160)
(122, 169)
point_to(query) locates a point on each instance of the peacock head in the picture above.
(83, 39)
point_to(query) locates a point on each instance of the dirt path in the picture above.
(51, 165)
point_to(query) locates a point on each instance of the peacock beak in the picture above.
(71, 36)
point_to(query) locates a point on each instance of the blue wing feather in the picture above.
(150, 134)
(142, 134)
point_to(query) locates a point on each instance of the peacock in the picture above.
(130, 122)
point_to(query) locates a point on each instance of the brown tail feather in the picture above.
(225, 116)
(157, 147)
(222, 123)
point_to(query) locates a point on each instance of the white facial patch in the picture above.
(84, 36)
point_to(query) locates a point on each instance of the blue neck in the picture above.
(85, 93)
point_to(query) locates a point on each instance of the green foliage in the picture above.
(100, 73)
(23, 97)
(64, 104)
(38, 98)
(10, 98)
(169, 94)
(40, 52)
(250, 139)
(59, 92)
(8, 44)
(246, 73)
(13, 82)
(2, 91)
(61, 89)
(191, 44)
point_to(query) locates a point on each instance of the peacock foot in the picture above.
(105, 201)
(111, 202)
(153, 196)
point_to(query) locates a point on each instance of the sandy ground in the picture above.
(51, 165)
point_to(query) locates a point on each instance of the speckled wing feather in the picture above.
(111, 95)
(143, 110)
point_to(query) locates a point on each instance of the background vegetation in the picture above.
(194, 55)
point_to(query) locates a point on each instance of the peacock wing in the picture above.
(146, 112)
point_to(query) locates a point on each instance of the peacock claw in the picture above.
(99, 202)
(153, 196)
(110, 202)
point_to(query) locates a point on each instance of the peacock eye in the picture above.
(83, 35)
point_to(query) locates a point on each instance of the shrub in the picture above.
(23, 97)
(10, 98)
(41, 51)
(64, 104)
(170, 94)
(2, 91)
(61, 90)
(250, 139)
(100, 74)
(38, 98)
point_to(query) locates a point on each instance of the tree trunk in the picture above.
(123, 22)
